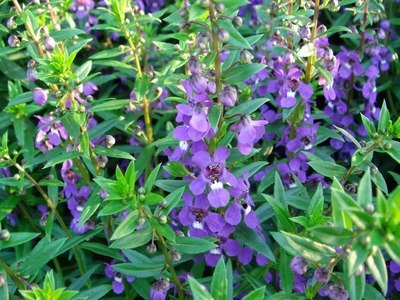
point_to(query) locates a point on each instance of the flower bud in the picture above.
(322, 275)
(177, 47)
(11, 23)
(228, 96)
(305, 32)
(82, 109)
(387, 145)
(222, 35)
(102, 161)
(220, 7)
(179, 233)
(288, 58)
(380, 33)
(141, 190)
(385, 25)
(211, 86)
(198, 84)
(351, 189)
(298, 265)
(176, 256)
(151, 249)
(44, 31)
(142, 198)
(374, 170)
(163, 204)
(184, 26)
(40, 96)
(162, 219)
(237, 21)
(49, 43)
(13, 41)
(30, 74)
(375, 136)
(202, 40)
(245, 57)
(141, 221)
(369, 208)
(204, 3)
(194, 65)
(5, 235)
(365, 240)
(321, 29)
(184, 12)
(110, 141)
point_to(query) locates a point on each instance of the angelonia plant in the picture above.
(200, 149)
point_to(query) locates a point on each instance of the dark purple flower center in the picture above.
(213, 171)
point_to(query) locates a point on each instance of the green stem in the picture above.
(20, 285)
(217, 61)
(161, 243)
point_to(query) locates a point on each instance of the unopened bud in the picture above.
(40, 96)
(163, 204)
(176, 256)
(202, 40)
(369, 208)
(387, 145)
(141, 221)
(13, 41)
(151, 249)
(204, 3)
(17, 177)
(44, 31)
(237, 21)
(228, 96)
(30, 74)
(222, 35)
(322, 275)
(351, 189)
(82, 109)
(365, 240)
(15, 152)
(375, 136)
(89, 114)
(177, 47)
(110, 141)
(5, 235)
(245, 57)
(2, 280)
(162, 219)
(49, 43)
(198, 83)
(184, 26)
(194, 65)
(142, 198)
(11, 23)
(184, 12)
(220, 7)
(141, 190)
(179, 233)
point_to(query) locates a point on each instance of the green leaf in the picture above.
(219, 283)
(355, 285)
(256, 294)
(369, 126)
(17, 238)
(309, 249)
(349, 136)
(171, 185)
(282, 213)
(7, 205)
(140, 270)
(233, 4)
(127, 226)
(286, 274)
(148, 185)
(79, 282)
(64, 34)
(307, 50)
(356, 257)
(110, 53)
(4, 292)
(91, 206)
(43, 252)
(71, 125)
(152, 199)
(239, 73)
(199, 291)
(101, 249)
(377, 266)
(109, 105)
(141, 86)
(134, 240)
(364, 195)
(328, 169)
(250, 238)
(95, 293)
(84, 70)
(331, 235)
(112, 152)
(335, 29)
(384, 122)
(164, 229)
(173, 199)
(61, 158)
(113, 207)
(235, 38)
(176, 169)
(279, 191)
(214, 115)
(190, 245)
(20, 99)
(371, 293)
(247, 107)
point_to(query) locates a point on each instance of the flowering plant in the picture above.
(199, 149)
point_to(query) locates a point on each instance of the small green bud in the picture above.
(17, 177)
(222, 35)
(15, 152)
(142, 198)
(369, 208)
(162, 219)
(220, 7)
(59, 94)
(5, 235)
(141, 190)
(163, 204)
(365, 240)
(387, 146)
(184, 12)
(363, 144)
(89, 98)
(176, 256)
(204, 3)
(374, 170)
(81, 109)
(237, 22)
(141, 221)
(110, 141)
(375, 136)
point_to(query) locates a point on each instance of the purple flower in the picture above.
(305, 137)
(82, 7)
(245, 255)
(89, 88)
(49, 135)
(89, 225)
(334, 292)
(30, 74)
(77, 202)
(195, 66)
(197, 216)
(159, 289)
(394, 267)
(322, 275)
(214, 174)
(350, 63)
(228, 96)
(382, 59)
(248, 132)
(230, 246)
(298, 265)
(117, 284)
(288, 170)
(198, 83)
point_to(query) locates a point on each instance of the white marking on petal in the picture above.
(347, 65)
(216, 185)
(307, 147)
(79, 208)
(374, 89)
(197, 225)
(292, 185)
(383, 62)
(215, 251)
(118, 278)
(247, 210)
(183, 145)
(330, 105)
(291, 94)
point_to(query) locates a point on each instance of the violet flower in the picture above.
(350, 63)
(214, 174)
(288, 170)
(305, 137)
(117, 284)
(82, 7)
(248, 132)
